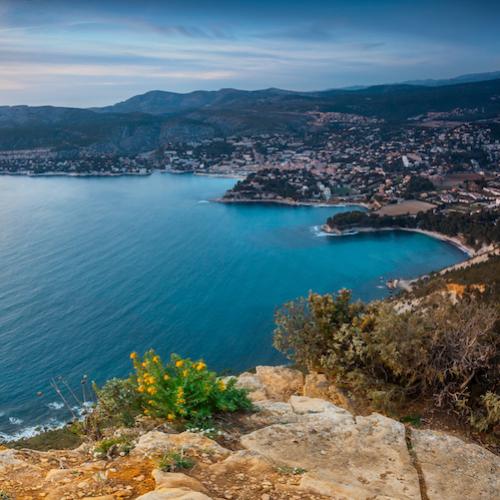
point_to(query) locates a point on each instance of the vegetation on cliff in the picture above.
(478, 228)
(390, 352)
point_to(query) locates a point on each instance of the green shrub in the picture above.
(440, 349)
(119, 445)
(309, 329)
(184, 390)
(174, 461)
(118, 402)
(488, 414)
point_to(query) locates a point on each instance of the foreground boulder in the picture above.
(343, 456)
(453, 469)
(275, 383)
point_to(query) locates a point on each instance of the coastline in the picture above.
(453, 240)
(292, 203)
(77, 174)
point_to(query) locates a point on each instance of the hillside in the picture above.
(147, 121)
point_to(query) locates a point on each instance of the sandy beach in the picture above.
(471, 252)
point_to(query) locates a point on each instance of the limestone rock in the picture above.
(57, 475)
(9, 457)
(249, 461)
(157, 443)
(454, 469)
(165, 480)
(274, 412)
(316, 385)
(349, 457)
(252, 383)
(302, 405)
(280, 382)
(174, 494)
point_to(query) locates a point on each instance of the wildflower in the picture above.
(185, 373)
(152, 391)
(151, 402)
(133, 355)
(140, 388)
(201, 366)
(170, 417)
(144, 364)
(179, 363)
(166, 376)
(222, 385)
(156, 359)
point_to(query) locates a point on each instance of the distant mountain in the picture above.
(429, 82)
(473, 77)
(146, 121)
(159, 102)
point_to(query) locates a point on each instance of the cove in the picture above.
(93, 268)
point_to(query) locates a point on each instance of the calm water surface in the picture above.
(91, 269)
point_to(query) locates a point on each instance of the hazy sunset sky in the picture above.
(86, 53)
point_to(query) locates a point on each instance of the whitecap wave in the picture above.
(15, 420)
(317, 231)
(55, 405)
(203, 201)
(31, 431)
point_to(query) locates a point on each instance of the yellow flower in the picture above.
(140, 388)
(222, 385)
(200, 366)
(156, 359)
(152, 391)
(165, 377)
(180, 391)
(144, 364)
(170, 417)
(185, 373)
(133, 355)
(151, 402)
(179, 363)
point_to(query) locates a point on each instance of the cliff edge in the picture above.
(301, 442)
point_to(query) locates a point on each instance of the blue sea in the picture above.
(94, 268)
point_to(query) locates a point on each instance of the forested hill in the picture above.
(477, 229)
(144, 122)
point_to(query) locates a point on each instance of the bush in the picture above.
(118, 402)
(309, 329)
(111, 446)
(440, 349)
(184, 390)
(174, 461)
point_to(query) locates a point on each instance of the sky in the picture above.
(93, 53)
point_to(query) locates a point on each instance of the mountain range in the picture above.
(146, 121)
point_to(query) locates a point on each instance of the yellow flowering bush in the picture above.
(183, 389)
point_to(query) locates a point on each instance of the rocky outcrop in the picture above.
(276, 383)
(344, 456)
(292, 447)
(454, 469)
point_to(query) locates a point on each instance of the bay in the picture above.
(94, 268)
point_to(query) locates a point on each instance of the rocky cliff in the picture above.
(302, 442)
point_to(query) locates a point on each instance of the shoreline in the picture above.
(292, 203)
(453, 240)
(76, 174)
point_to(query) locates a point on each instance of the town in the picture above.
(431, 160)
